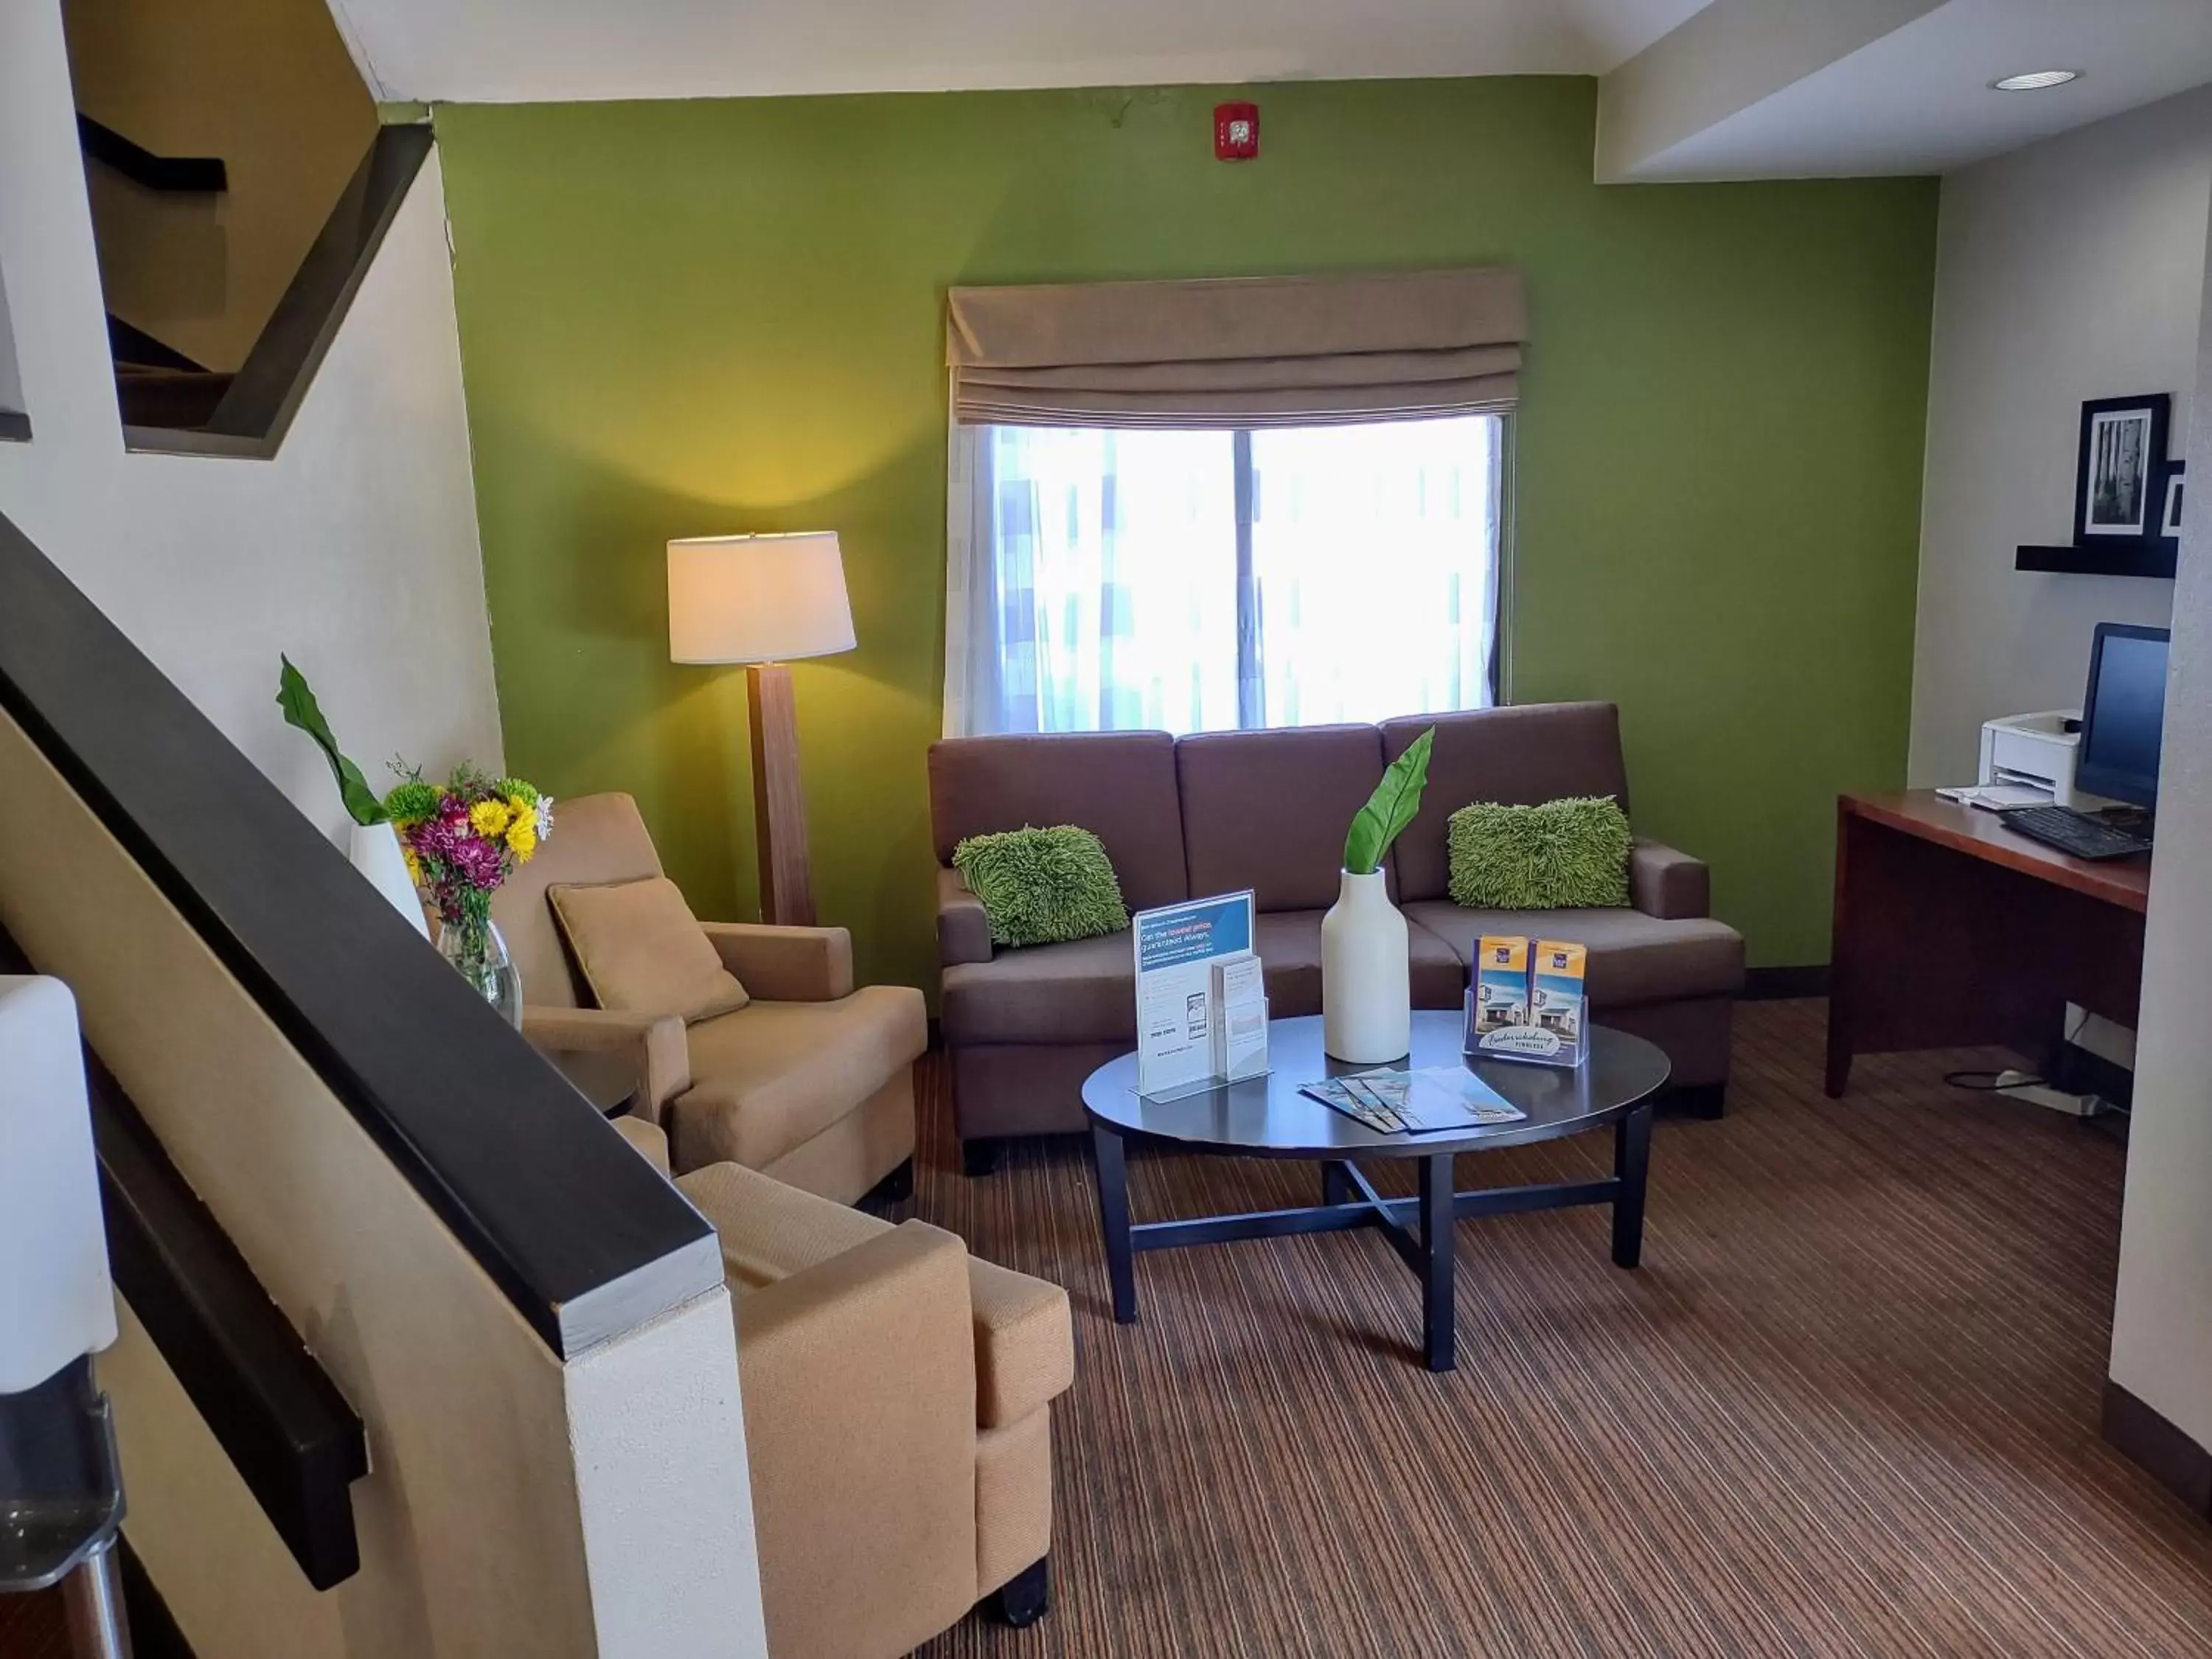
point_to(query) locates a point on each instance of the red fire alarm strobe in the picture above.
(1236, 133)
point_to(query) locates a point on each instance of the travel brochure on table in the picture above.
(1177, 948)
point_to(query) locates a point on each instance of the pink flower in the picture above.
(479, 863)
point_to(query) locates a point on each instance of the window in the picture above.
(1205, 580)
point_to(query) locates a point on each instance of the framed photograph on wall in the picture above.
(2122, 461)
(2169, 519)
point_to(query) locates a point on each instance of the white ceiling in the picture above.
(1917, 100)
(1689, 88)
(528, 50)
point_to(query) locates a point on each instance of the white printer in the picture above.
(2033, 751)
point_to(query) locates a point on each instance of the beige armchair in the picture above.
(812, 1082)
(897, 1396)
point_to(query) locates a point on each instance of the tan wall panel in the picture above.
(264, 84)
(472, 1538)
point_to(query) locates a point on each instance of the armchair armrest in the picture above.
(654, 1044)
(786, 964)
(1670, 886)
(963, 931)
(859, 1382)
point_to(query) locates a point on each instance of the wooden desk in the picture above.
(1953, 932)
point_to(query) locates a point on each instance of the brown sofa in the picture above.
(1268, 810)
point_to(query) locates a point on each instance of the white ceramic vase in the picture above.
(1366, 980)
(374, 850)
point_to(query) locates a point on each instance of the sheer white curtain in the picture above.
(1373, 555)
(1094, 581)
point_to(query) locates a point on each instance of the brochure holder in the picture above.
(1202, 1014)
(1527, 1003)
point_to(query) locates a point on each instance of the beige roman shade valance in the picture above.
(1251, 351)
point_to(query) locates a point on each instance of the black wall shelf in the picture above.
(2121, 559)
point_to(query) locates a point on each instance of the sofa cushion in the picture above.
(1520, 756)
(1084, 991)
(1633, 958)
(1120, 786)
(1555, 855)
(641, 951)
(1290, 944)
(775, 1074)
(1269, 810)
(1042, 886)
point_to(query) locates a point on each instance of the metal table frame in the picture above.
(1418, 1228)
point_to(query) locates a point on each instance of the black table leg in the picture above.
(1438, 1335)
(1335, 1189)
(1113, 1222)
(1632, 1164)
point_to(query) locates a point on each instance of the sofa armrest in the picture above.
(786, 964)
(963, 931)
(858, 1376)
(654, 1044)
(1670, 886)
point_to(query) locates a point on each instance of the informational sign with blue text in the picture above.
(1176, 947)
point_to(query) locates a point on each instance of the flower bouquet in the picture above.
(461, 838)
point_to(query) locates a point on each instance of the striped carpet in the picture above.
(1848, 1406)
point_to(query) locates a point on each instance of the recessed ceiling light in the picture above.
(2036, 80)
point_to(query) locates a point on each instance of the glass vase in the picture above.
(479, 956)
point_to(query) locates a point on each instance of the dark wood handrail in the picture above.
(584, 1237)
(272, 382)
(187, 174)
(275, 1412)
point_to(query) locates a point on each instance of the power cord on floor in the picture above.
(1987, 1082)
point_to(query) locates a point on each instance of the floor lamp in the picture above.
(765, 601)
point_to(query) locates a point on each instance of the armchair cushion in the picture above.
(642, 951)
(1024, 1342)
(786, 964)
(775, 1074)
(653, 1044)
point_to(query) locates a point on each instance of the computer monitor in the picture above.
(2123, 714)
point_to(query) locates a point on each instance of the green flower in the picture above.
(412, 801)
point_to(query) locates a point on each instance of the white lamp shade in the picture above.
(757, 598)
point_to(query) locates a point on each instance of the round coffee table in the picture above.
(1268, 1117)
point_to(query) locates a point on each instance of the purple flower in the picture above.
(479, 863)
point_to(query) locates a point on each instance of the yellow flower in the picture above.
(414, 865)
(522, 835)
(489, 818)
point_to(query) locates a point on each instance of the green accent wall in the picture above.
(694, 317)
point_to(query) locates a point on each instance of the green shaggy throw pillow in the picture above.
(1561, 854)
(1042, 886)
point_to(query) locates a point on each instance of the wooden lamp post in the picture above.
(765, 601)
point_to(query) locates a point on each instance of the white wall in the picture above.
(2162, 1316)
(355, 550)
(11, 385)
(2071, 270)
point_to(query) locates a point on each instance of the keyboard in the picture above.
(2077, 833)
